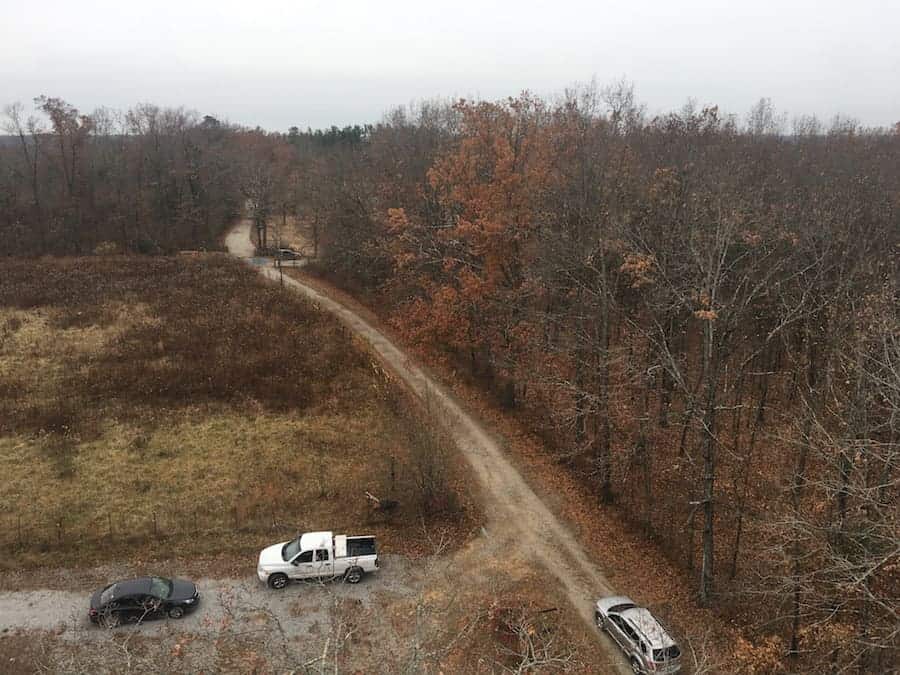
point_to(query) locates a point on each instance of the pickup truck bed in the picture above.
(355, 547)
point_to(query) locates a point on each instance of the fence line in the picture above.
(33, 530)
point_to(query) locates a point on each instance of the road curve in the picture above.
(513, 509)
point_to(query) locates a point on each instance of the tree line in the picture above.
(697, 313)
(147, 180)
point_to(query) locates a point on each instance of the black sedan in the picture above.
(142, 599)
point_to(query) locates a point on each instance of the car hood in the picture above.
(271, 555)
(182, 590)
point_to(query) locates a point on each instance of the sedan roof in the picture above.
(137, 586)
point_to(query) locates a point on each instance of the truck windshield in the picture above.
(290, 549)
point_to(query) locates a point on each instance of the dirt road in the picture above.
(518, 520)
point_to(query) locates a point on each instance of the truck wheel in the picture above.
(353, 575)
(278, 581)
(636, 667)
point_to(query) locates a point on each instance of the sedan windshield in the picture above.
(160, 588)
(290, 549)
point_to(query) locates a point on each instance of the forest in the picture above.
(697, 312)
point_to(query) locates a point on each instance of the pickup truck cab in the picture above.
(317, 555)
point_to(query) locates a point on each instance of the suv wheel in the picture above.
(278, 581)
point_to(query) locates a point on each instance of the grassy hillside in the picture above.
(152, 407)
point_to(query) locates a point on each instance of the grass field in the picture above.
(157, 407)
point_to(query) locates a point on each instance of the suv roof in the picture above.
(649, 627)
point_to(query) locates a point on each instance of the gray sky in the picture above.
(317, 63)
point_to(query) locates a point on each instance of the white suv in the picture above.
(647, 645)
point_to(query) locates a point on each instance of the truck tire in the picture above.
(353, 575)
(278, 581)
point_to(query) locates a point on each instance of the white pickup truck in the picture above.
(317, 555)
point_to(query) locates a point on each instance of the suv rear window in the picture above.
(667, 654)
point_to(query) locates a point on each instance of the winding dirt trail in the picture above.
(519, 522)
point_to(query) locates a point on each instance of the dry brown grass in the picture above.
(174, 407)
(20, 652)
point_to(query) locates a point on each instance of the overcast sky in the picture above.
(317, 63)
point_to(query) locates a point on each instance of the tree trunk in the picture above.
(666, 384)
(797, 486)
(710, 368)
(645, 460)
(745, 475)
(606, 494)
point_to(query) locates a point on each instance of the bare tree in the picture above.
(536, 645)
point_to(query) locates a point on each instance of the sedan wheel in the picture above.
(111, 620)
(176, 612)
